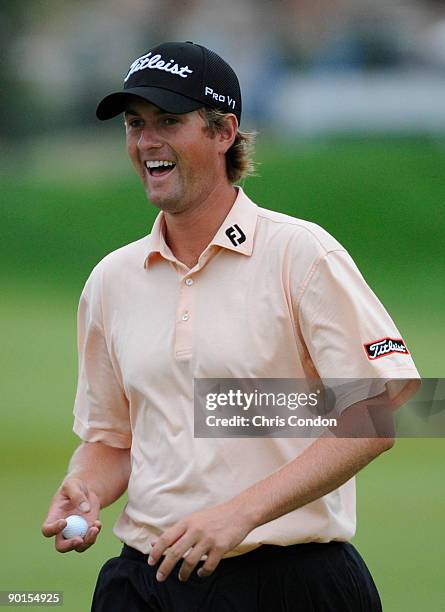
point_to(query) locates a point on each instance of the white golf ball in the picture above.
(75, 526)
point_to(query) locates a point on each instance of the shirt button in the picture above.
(189, 282)
(185, 316)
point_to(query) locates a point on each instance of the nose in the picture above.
(149, 139)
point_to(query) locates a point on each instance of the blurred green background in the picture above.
(382, 198)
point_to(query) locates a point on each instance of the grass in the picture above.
(382, 200)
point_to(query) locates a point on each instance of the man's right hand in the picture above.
(73, 497)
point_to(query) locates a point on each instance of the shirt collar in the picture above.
(236, 232)
(238, 228)
(156, 244)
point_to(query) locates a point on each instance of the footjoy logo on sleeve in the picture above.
(156, 62)
(385, 346)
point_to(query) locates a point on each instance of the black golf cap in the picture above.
(178, 78)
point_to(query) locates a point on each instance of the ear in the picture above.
(227, 134)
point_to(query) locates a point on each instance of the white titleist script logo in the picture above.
(156, 62)
(383, 347)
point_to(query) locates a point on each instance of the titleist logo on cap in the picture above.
(178, 77)
(156, 62)
(385, 346)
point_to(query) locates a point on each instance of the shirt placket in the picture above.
(184, 317)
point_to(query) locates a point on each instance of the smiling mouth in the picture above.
(159, 168)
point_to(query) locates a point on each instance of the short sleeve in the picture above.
(101, 411)
(349, 334)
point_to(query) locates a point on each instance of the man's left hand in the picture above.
(210, 532)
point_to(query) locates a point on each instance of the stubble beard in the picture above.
(171, 202)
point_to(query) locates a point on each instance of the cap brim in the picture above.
(115, 103)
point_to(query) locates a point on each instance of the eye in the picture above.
(134, 123)
(169, 120)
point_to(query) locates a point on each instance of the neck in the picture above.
(188, 233)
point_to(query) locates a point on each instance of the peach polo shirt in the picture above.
(270, 297)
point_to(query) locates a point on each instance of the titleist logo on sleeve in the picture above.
(385, 346)
(156, 62)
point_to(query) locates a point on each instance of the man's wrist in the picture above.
(245, 511)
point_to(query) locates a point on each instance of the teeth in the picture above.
(158, 163)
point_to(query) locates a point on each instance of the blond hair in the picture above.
(239, 158)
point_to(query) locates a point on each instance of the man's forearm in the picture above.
(105, 469)
(367, 428)
(324, 466)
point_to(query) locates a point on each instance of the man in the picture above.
(221, 288)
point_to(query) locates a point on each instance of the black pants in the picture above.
(300, 578)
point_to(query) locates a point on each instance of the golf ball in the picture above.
(75, 526)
